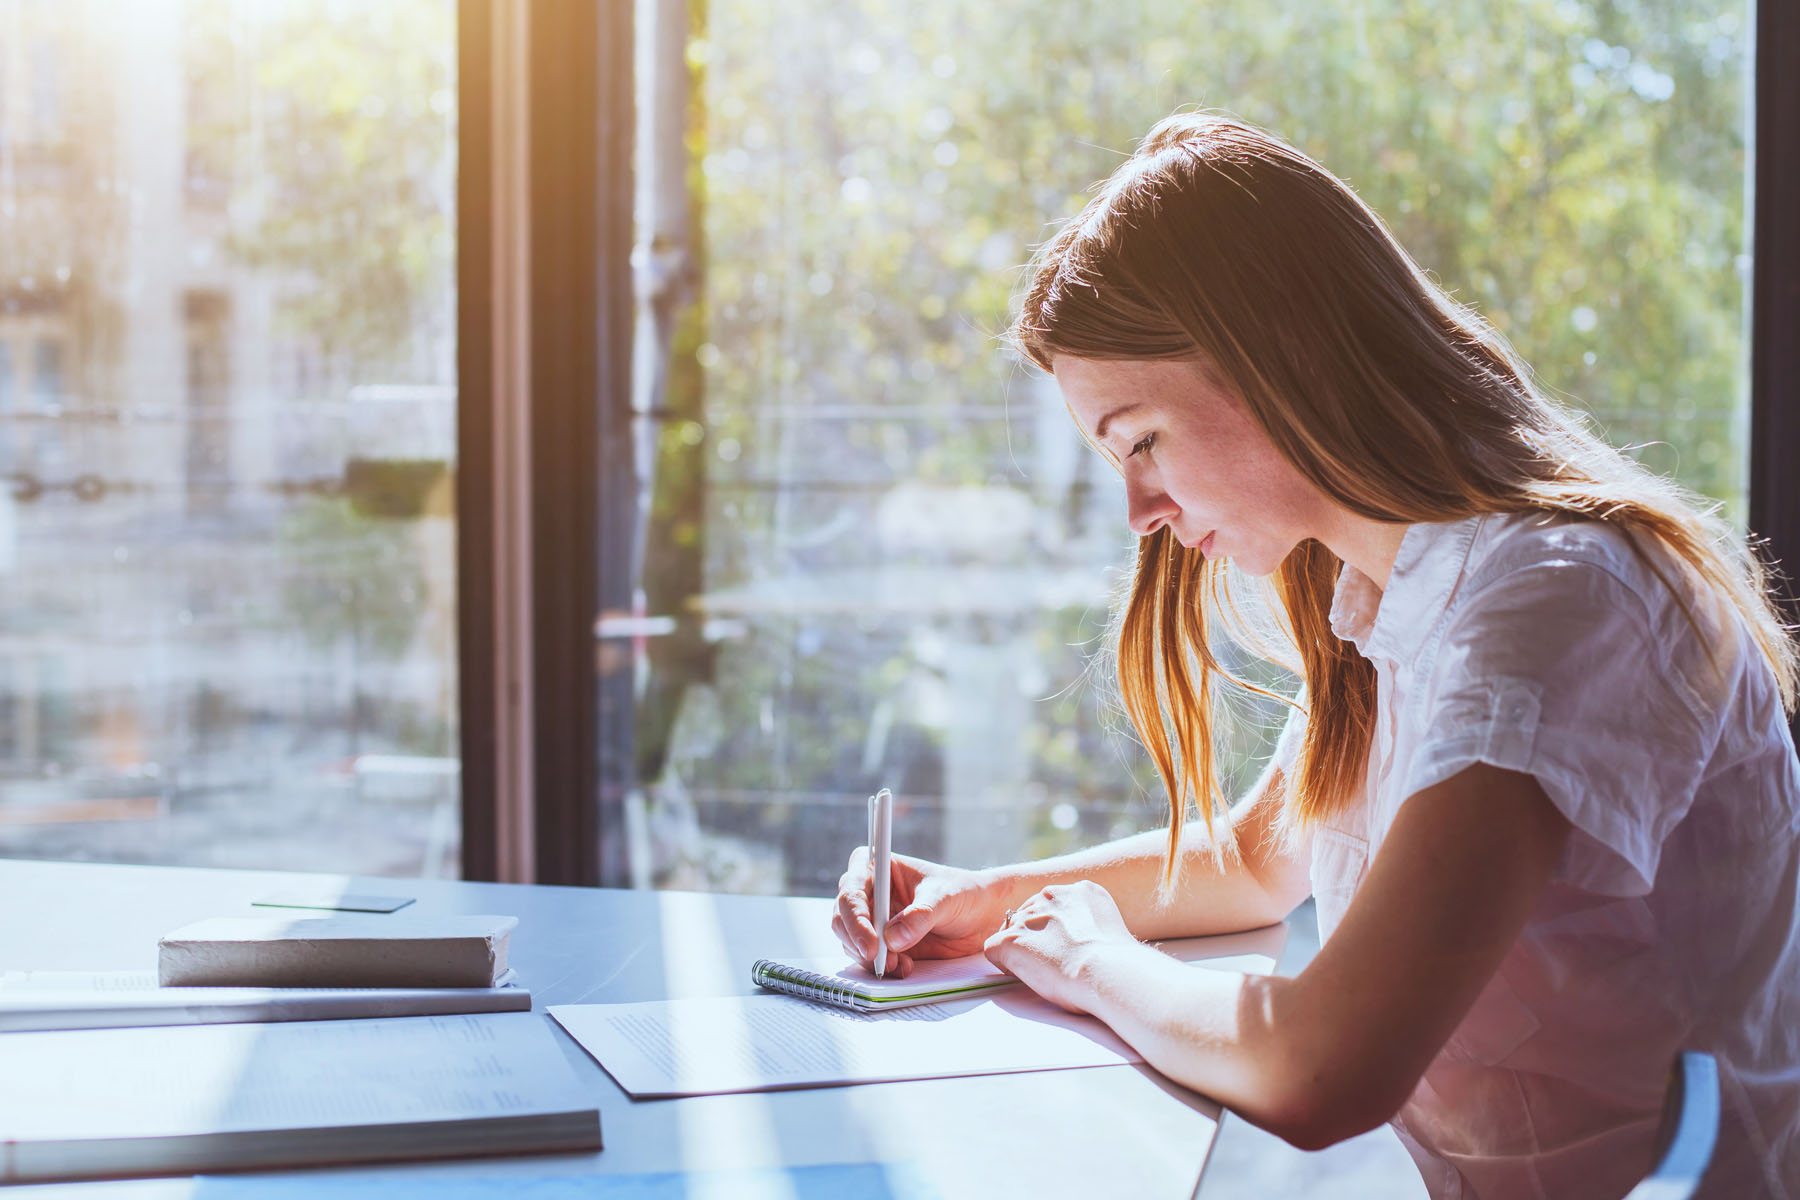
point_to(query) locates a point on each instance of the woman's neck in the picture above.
(1369, 546)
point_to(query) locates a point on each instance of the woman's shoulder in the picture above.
(1508, 542)
(1558, 577)
(1570, 559)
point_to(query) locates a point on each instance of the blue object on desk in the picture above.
(831, 1181)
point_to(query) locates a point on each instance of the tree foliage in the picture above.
(333, 129)
(874, 175)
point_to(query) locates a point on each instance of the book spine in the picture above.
(60, 1160)
(826, 989)
(50, 1010)
(439, 962)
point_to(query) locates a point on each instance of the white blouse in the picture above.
(1550, 647)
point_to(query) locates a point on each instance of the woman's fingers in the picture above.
(936, 906)
(909, 925)
(842, 935)
(852, 922)
(933, 914)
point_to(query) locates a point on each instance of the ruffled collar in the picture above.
(1393, 624)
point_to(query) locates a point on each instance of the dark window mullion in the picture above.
(546, 169)
(611, 749)
(477, 674)
(1775, 294)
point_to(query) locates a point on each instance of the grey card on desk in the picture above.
(334, 901)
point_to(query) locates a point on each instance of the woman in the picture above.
(1539, 781)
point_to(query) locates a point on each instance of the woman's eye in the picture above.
(1142, 444)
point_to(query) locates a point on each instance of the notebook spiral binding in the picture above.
(828, 989)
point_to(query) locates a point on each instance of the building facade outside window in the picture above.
(223, 640)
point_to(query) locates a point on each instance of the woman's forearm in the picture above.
(1244, 891)
(1338, 1048)
(1227, 1035)
(1256, 883)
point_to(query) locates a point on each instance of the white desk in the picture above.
(1107, 1131)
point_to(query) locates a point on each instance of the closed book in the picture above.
(99, 1103)
(36, 1000)
(337, 952)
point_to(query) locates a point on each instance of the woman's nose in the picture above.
(1148, 508)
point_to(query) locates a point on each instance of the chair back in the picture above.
(1691, 1126)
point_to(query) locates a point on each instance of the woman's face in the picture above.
(1193, 459)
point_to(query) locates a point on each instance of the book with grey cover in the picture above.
(36, 1000)
(104, 1103)
(405, 951)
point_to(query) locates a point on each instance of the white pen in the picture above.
(881, 848)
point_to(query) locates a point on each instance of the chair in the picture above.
(1690, 1126)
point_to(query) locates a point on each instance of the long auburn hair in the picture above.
(1218, 241)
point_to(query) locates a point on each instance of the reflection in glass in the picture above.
(226, 306)
(46, 85)
(883, 555)
(47, 374)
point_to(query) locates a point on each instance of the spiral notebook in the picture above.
(851, 985)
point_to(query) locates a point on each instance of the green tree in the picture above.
(333, 127)
(1572, 168)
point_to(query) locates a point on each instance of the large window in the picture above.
(876, 552)
(864, 548)
(227, 417)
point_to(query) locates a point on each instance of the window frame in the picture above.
(544, 320)
(1775, 297)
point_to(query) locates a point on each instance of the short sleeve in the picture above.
(1562, 671)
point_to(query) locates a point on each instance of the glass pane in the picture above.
(227, 401)
(886, 556)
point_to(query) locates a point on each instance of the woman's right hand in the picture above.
(938, 911)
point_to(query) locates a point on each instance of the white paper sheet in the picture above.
(722, 1044)
(764, 1042)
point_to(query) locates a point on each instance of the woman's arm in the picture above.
(944, 911)
(1337, 1049)
(1258, 886)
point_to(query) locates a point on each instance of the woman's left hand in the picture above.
(1052, 939)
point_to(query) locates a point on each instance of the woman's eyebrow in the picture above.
(1100, 428)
